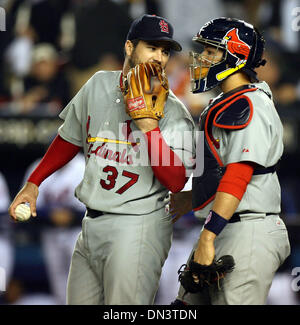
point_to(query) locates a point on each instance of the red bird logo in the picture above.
(236, 46)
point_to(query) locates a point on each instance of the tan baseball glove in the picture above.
(145, 91)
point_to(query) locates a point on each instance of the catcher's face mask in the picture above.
(203, 61)
(241, 44)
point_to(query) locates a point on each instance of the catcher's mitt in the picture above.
(195, 277)
(145, 91)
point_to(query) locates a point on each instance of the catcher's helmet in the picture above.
(242, 46)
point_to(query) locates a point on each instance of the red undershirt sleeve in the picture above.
(59, 153)
(236, 178)
(166, 165)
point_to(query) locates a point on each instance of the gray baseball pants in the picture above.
(118, 259)
(259, 245)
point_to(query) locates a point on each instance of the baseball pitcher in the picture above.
(128, 124)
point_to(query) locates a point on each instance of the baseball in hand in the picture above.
(23, 212)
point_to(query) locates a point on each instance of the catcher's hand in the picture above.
(195, 277)
(145, 91)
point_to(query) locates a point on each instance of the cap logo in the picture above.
(236, 46)
(164, 27)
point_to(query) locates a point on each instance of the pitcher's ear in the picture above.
(129, 47)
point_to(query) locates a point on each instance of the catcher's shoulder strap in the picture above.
(232, 111)
(236, 114)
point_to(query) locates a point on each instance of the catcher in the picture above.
(239, 191)
(126, 232)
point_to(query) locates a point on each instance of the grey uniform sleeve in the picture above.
(178, 130)
(181, 139)
(259, 142)
(71, 129)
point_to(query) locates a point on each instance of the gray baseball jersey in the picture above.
(118, 177)
(260, 142)
(259, 242)
(119, 255)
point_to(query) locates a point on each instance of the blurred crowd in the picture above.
(49, 49)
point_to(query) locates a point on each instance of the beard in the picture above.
(133, 59)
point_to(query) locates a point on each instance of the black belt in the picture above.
(257, 171)
(267, 170)
(94, 213)
(236, 217)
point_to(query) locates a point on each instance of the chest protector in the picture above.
(231, 112)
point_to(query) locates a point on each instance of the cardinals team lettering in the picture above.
(111, 147)
(102, 151)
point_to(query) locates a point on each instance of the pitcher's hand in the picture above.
(28, 194)
(180, 204)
